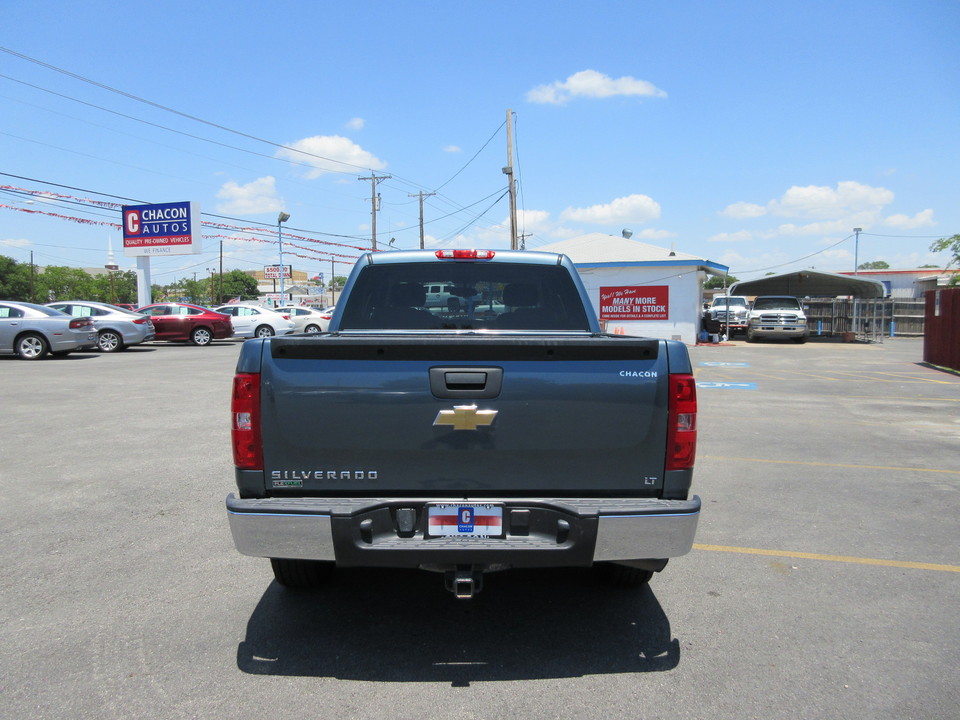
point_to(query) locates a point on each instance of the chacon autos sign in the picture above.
(635, 302)
(163, 229)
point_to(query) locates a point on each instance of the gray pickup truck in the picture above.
(501, 431)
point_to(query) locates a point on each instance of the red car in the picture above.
(180, 322)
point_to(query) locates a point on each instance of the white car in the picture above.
(307, 319)
(250, 320)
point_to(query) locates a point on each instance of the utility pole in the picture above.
(374, 201)
(508, 171)
(421, 195)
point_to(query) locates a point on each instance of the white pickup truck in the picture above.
(777, 316)
(731, 312)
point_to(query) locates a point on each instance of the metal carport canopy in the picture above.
(810, 283)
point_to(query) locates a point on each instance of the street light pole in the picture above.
(282, 218)
(856, 252)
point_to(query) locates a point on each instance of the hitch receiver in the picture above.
(464, 582)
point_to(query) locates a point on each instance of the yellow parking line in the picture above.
(831, 558)
(837, 465)
(918, 378)
(897, 397)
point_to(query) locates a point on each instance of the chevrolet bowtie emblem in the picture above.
(465, 417)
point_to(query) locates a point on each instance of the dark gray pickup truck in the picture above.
(500, 430)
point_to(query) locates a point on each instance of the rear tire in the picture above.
(201, 336)
(109, 341)
(32, 346)
(301, 574)
(264, 331)
(312, 329)
(622, 576)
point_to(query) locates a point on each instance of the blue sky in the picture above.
(754, 134)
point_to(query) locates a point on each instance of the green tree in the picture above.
(14, 280)
(121, 288)
(951, 245)
(237, 283)
(717, 282)
(58, 282)
(875, 265)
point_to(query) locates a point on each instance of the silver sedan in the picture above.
(116, 327)
(31, 331)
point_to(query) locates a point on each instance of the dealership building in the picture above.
(640, 289)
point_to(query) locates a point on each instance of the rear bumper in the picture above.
(371, 532)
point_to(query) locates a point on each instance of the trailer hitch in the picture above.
(464, 582)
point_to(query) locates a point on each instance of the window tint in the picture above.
(464, 296)
(773, 303)
(9, 312)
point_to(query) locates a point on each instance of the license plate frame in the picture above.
(465, 519)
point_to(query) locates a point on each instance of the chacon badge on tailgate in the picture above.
(465, 417)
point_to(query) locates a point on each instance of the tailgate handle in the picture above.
(465, 382)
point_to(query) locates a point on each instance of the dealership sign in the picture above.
(275, 272)
(635, 302)
(164, 229)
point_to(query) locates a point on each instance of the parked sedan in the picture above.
(256, 321)
(116, 328)
(180, 322)
(307, 319)
(31, 331)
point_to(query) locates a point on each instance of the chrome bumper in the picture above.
(590, 530)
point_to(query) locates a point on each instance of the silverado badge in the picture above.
(465, 417)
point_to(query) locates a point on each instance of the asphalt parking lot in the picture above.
(824, 583)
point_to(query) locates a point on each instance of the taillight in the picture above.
(465, 254)
(82, 322)
(682, 428)
(245, 429)
(141, 320)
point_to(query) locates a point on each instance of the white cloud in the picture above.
(743, 210)
(629, 209)
(355, 124)
(259, 196)
(452, 149)
(817, 201)
(536, 221)
(15, 242)
(905, 222)
(651, 234)
(330, 153)
(592, 84)
(735, 237)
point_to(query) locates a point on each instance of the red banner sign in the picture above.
(635, 302)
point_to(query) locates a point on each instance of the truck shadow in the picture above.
(402, 626)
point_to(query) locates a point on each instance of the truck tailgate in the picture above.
(472, 415)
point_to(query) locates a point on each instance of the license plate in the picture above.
(465, 520)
